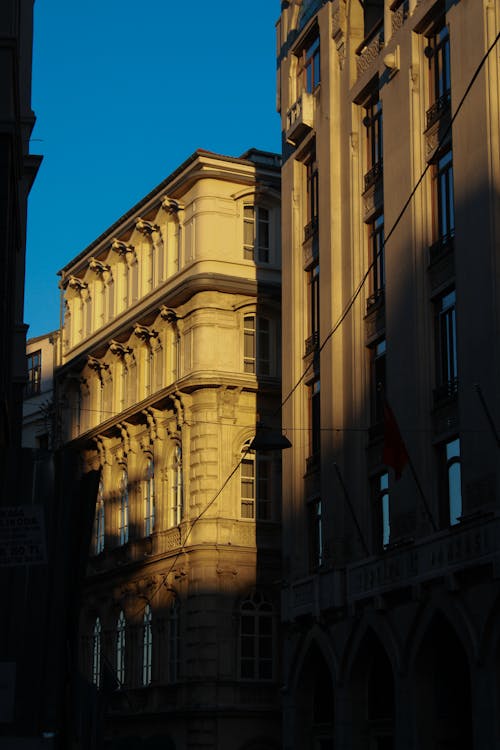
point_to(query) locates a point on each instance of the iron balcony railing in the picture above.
(311, 229)
(440, 106)
(373, 175)
(312, 343)
(375, 300)
(446, 391)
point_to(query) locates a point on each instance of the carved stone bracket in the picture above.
(147, 228)
(120, 350)
(338, 29)
(124, 249)
(98, 267)
(152, 423)
(168, 314)
(126, 442)
(170, 205)
(103, 450)
(77, 284)
(98, 366)
(144, 333)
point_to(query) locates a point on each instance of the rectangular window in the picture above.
(259, 477)
(309, 66)
(376, 258)
(256, 233)
(312, 341)
(444, 198)
(374, 140)
(382, 524)
(452, 482)
(256, 345)
(314, 421)
(312, 208)
(446, 347)
(438, 53)
(316, 547)
(34, 367)
(123, 509)
(378, 381)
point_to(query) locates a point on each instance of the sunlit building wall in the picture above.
(390, 298)
(170, 354)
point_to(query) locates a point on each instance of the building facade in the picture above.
(169, 357)
(38, 414)
(391, 357)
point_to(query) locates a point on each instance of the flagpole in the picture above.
(422, 496)
(349, 505)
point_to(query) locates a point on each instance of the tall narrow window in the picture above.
(309, 73)
(177, 505)
(314, 422)
(382, 525)
(99, 521)
(378, 377)
(443, 172)
(256, 638)
(258, 477)
(312, 342)
(257, 345)
(173, 642)
(453, 482)
(256, 227)
(312, 197)
(438, 54)
(34, 367)
(149, 498)
(374, 141)
(123, 508)
(446, 347)
(147, 646)
(96, 653)
(377, 257)
(120, 649)
(316, 546)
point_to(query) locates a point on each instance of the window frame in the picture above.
(316, 536)
(256, 640)
(257, 470)
(147, 646)
(309, 64)
(33, 385)
(123, 509)
(257, 233)
(451, 461)
(446, 345)
(149, 497)
(177, 487)
(121, 628)
(99, 520)
(97, 653)
(259, 334)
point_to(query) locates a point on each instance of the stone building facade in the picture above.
(390, 229)
(169, 356)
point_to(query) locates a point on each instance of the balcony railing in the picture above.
(446, 391)
(311, 229)
(375, 300)
(300, 118)
(312, 343)
(373, 175)
(440, 106)
(442, 247)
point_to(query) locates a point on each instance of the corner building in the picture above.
(390, 600)
(170, 355)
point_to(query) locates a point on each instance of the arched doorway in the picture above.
(314, 703)
(442, 690)
(372, 697)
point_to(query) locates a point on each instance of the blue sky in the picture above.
(123, 92)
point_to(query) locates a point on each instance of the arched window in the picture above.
(123, 508)
(120, 649)
(177, 495)
(149, 498)
(256, 638)
(99, 520)
(147, 646)
(173, 642)
(96, 653)
(258, 475)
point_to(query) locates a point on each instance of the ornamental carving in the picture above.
(98, 267)
(122, 248)
(144, 333)
(228, 399)
(98, 366)
(147, 228)
(170, 205)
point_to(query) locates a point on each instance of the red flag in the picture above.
(394, 453)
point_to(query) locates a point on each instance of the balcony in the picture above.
(310, 246)
(373, 175)
(369, 49)
(300, 118)
(438, 109)
(442, 247)
(400, 10)
(445, 392)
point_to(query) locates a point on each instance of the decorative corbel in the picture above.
(147, 228)
(126, 441)
(144, 333)
(102, 446)
(169, 315)
(98, 267)
(77, 284)
(98, 366)
(170, 205)
(124, 249)
(152, 423)
(120, 350)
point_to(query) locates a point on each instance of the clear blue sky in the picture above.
(123, 92)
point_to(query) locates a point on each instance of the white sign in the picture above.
(22, 535)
